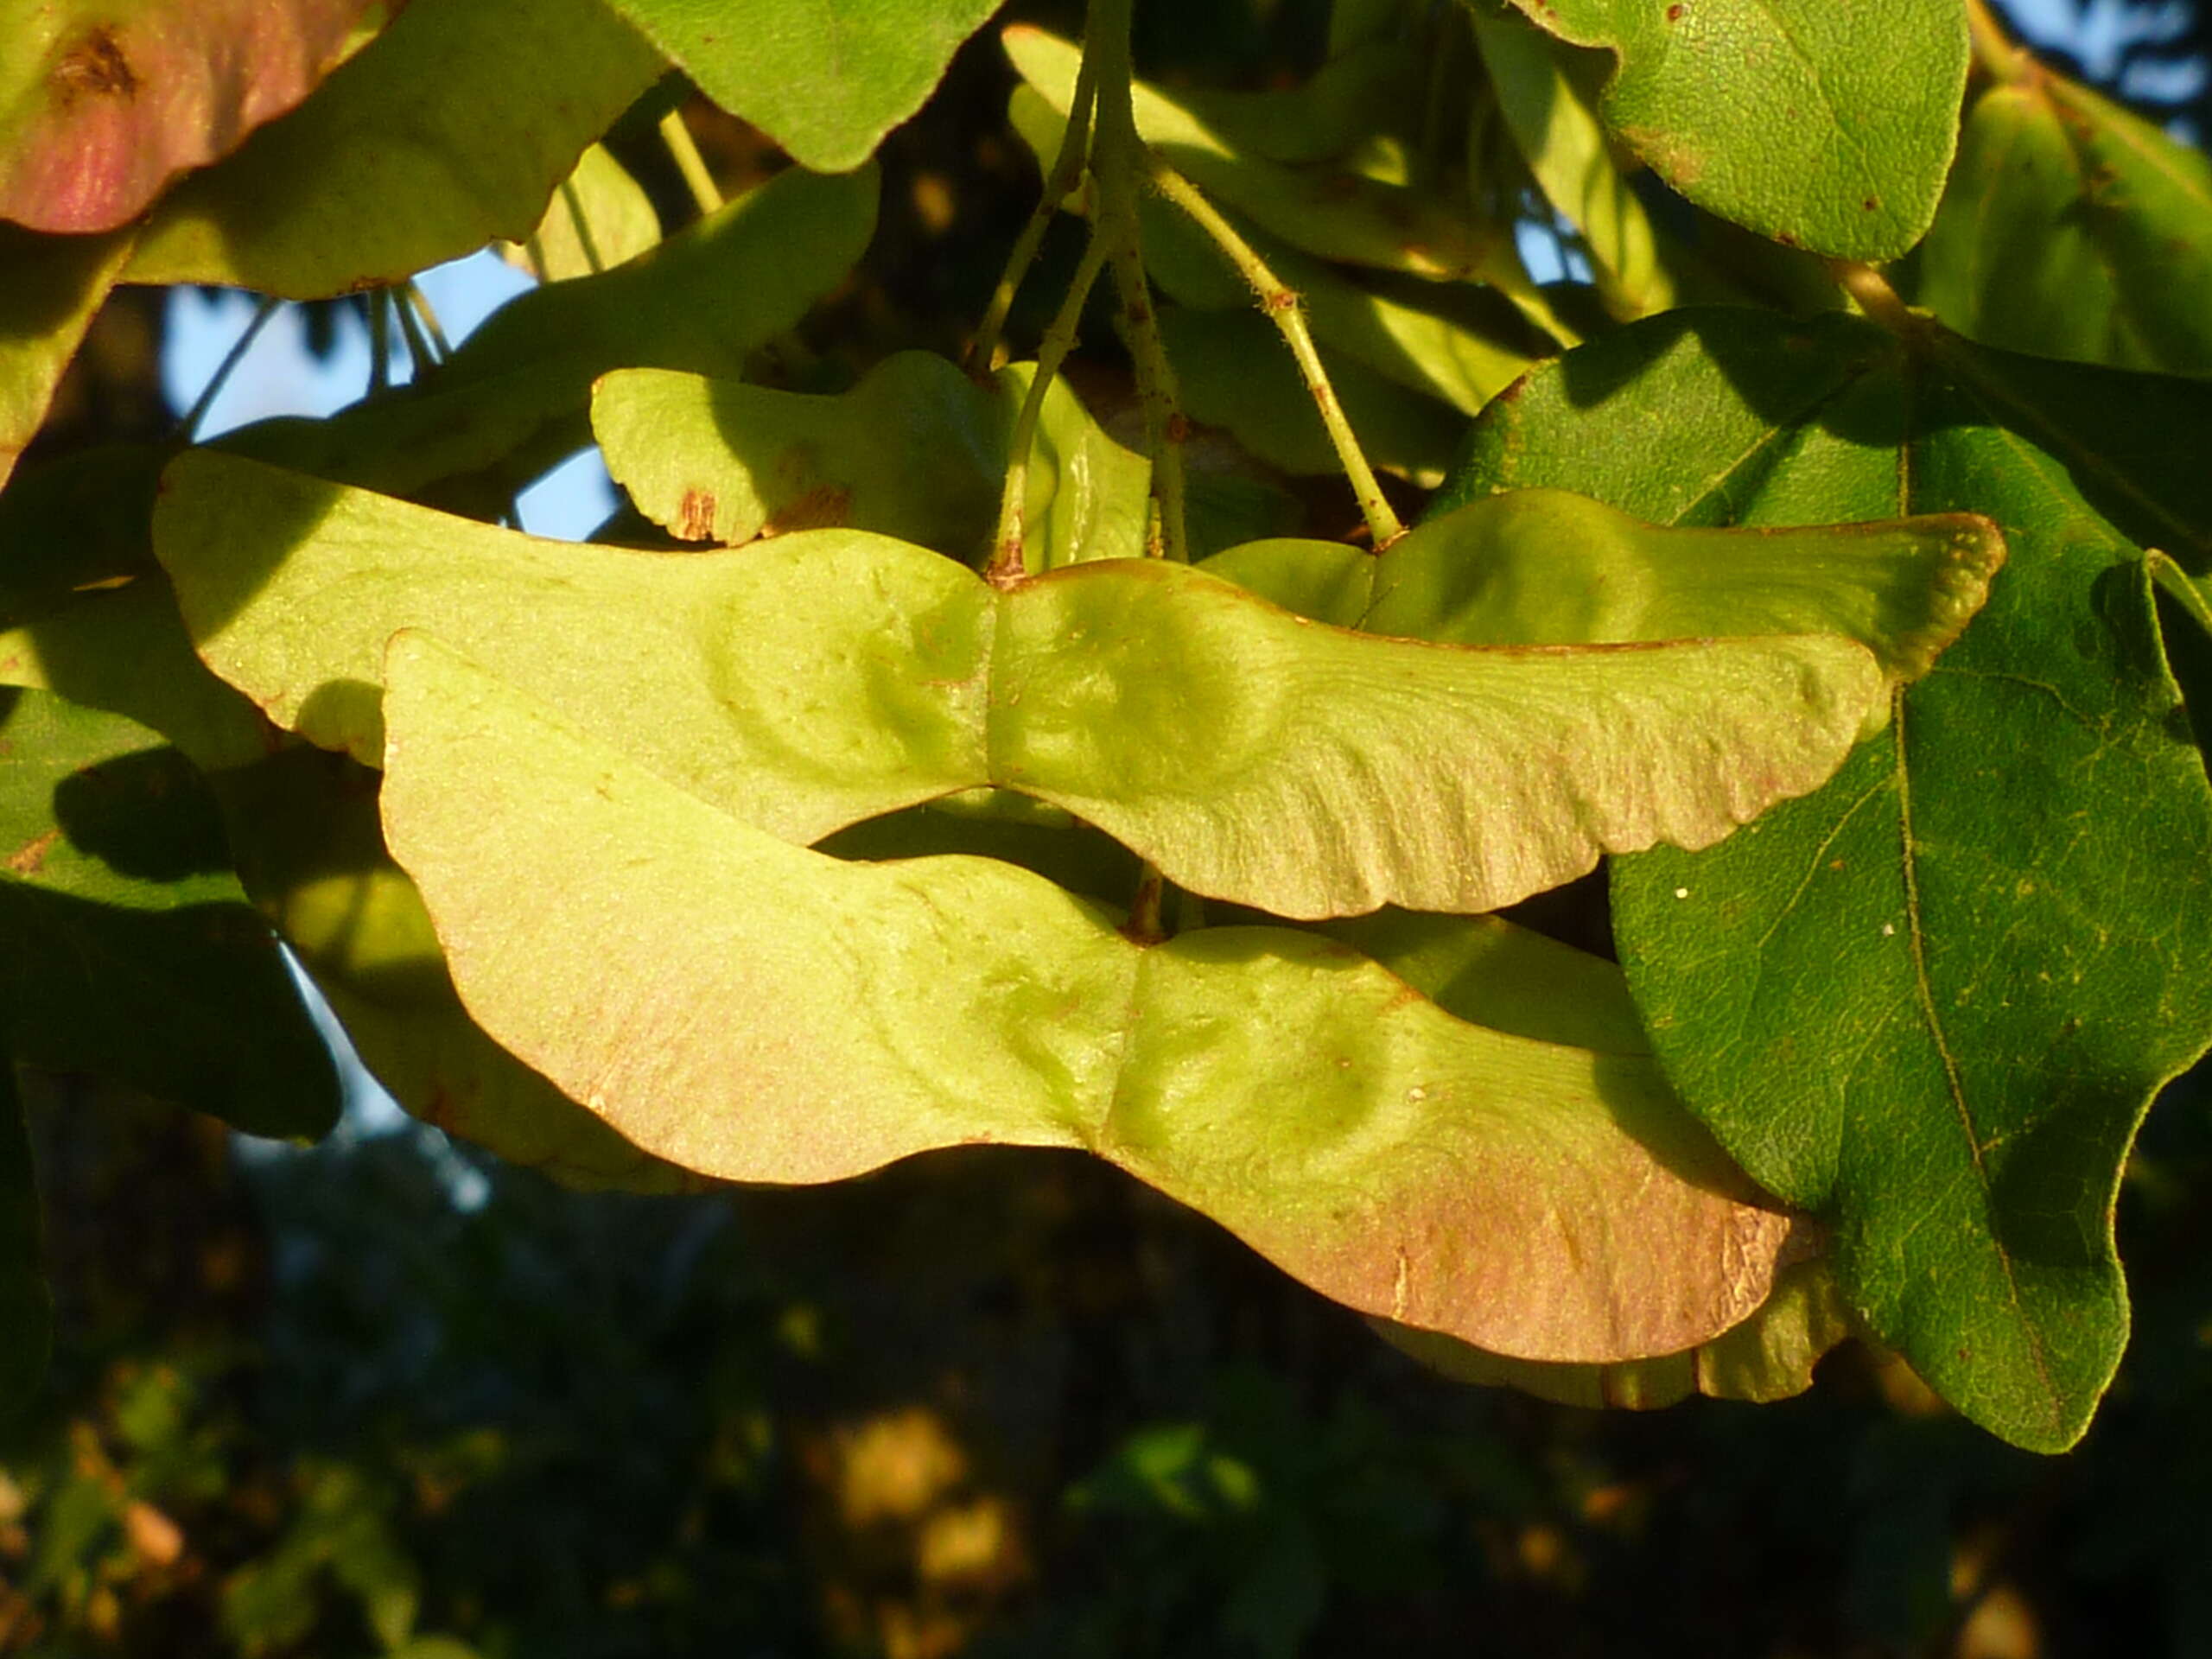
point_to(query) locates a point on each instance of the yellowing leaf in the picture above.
(754, 1010)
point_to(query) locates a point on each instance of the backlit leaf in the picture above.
(131, 951)
(451, 128)
(1333, 213)
(1549, 106)
(2075, 229)
(310, 853)
(754, 1010)
(1542, 567)
(1916, 1001)
(825, 81)
(1768, 1357)
(102, 105)
(916, 450)
(1458, 344)
(828, 676)
(125, 650)
(1234, 372)
(599, 218)
(1486, 971)
(50, 286)
(1824, 125)
(511, 401)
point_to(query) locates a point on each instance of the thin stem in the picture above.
(1871, 292)
(1145, 926)
(1164, 428)
(693, 165)
(421, 303)
(1993, 47)
(1281, 304)
(1117, 162)
(1007, 568)
(1059, 185)
(418, 343)
(379, 341)
(189, 428)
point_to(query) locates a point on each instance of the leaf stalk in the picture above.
(684, 151)
(1283, 308)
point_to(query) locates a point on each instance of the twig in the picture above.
(1281, 304)
(1059, 185)
(189, 428)
(1164, 428)
(1117, 162)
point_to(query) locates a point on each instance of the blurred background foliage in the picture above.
(387, 1396)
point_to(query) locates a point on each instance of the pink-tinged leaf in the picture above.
(102, 105)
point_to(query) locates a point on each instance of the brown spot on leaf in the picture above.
(27, 858)
(94, 65)
(1675, 12)
(694, 519)
(1871, 203)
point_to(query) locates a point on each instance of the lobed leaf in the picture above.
(1915, 1000)
(132, 952)
(916, 450)
(102, 105)
(824, 80)
(756, 1011)
(2073, 228)
(828, 676)
(1828, 127)
(453, 128)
